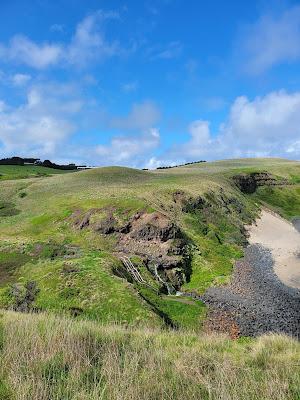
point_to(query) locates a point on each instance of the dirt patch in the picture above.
(99, 220)
(222, 322)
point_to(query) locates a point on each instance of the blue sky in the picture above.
(148, 83)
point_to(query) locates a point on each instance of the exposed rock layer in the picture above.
(152, 236)
(248, 183)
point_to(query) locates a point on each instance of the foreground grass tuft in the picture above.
(46, 357)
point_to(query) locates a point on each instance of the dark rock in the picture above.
(154, 226)
(75, 311)
(248, 183)
(107, 225)
(150, 232)
(188, 203)
(24, 296)
(296, 223)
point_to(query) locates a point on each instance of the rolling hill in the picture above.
(67, 233)
(123, 253)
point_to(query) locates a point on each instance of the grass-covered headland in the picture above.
(91, 266)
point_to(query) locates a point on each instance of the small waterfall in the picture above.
(137, 277)
(169, 287)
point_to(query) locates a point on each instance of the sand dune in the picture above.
(283, 240)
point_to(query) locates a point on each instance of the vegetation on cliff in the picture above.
(182, 228)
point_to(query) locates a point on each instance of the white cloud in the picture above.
(88, 43)
(20, 79)
(271, 40)
(155, 162)
(264, 126)
(129, 149)
(38, 126)
(142, 116)
(144, 137)
(268, 126)
(23, 50)
(200, 135)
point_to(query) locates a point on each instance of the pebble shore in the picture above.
(256, 301)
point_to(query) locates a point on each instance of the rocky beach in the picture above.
(263, 295)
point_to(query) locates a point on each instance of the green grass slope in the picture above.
(27, 171)
(46, 357)
(73, 270)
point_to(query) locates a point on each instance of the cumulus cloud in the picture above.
(200, 139)
(273, 39)
(267, 126)
(38, 126)
(142, 137)
(263, 126)
(129, 149)
(88, 43)
(24, 51)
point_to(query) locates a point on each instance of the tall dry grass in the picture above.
(46, 357)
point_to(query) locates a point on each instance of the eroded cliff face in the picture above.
(159, 240)
(161, 244)
(248, 183)
(153, 236)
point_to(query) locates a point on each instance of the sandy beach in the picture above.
(283, 240)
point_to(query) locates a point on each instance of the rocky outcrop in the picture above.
(152, 236)
(248, 183)
(188, 203)
(153, 226)
(162, 246)
(24, 296)
(296, 223)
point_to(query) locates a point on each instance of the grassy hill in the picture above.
(27, 171)
(74, 269)
(63, 239)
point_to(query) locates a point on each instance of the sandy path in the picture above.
(283, 240)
